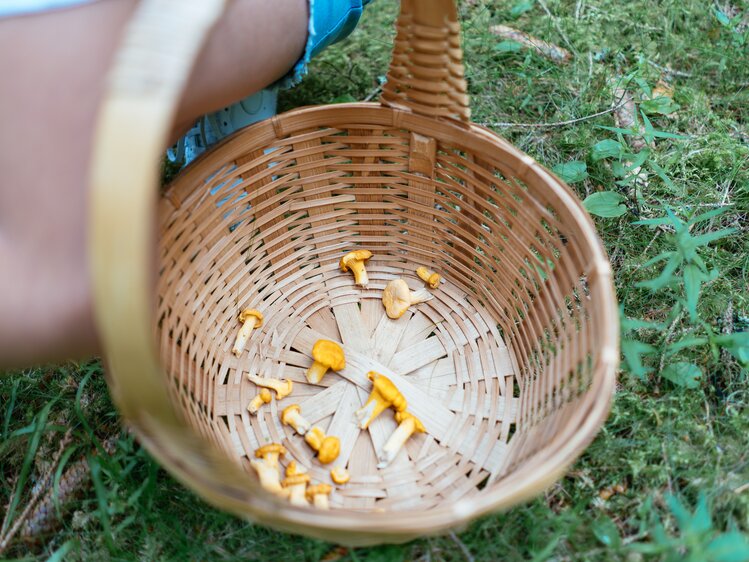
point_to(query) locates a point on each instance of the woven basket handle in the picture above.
(152, 66)
(426, 74)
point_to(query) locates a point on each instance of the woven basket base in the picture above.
(457, 374)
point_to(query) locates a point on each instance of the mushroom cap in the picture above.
(270, 448)
(385, 387)
(330, 448)
(434, 280)
(396, 297)
(294, 479)
(318, 489)
(340, 475)
(400, 417)
(329, 353)
(265, 395)
(356, 255)
(250, 312)
(292, 469)
(287, 411)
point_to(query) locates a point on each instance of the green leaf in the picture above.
(571, 172)
(633, 350)
(665, 278)
(686, 343)
(345, 98)
(521, 7)
(59, 554)
(705, 239)
(659, 258)
(605, 204)
(508, 47)
(728, 547)
(661, 105)
(608, 148)
(701, 521)
(607, 532)
(708, 215)
(629, 324)
(722, 18)
(686, 375)
(737, 345)
(693, 278)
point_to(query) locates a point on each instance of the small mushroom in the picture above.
(296, 483)
(262, 397)
(314, 437)
(291, 415)
(330, 448)
(340, 475)
(267, 469)
(250, 319)
(282, 387)
(408, 424)
(397, 297)
(355, 262)
(318, 494)
(384, 395)
(429, 277)
(327, 355)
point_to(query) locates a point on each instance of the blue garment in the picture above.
(22, 7)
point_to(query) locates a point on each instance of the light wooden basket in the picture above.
(510, 366)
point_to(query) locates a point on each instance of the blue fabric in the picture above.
(330, 21)
(22, 7)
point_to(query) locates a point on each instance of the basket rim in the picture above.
(543, 467)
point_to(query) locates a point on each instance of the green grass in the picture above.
(661, 440)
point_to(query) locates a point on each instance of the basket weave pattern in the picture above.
(510, 366)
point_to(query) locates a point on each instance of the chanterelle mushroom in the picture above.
(355, 262)
(397, 297)
(408, 424)
(262, 397)
(282, 387)
(327, 355)
(429, 277)
(340, 475)
(267, 469)
(330, 448)
(291, 415)
(319, 495)
(296, 482)
(250, 319)
(384, 395)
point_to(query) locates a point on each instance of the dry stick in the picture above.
(549, 50)
(558, 123)
(43, 483)
(463, 548)
(44, 517)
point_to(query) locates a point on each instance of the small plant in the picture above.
(695, 539)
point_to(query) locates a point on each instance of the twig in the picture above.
(463, 548)
(43, 484)
(669, 334)
(549, 50)
(554, 124)
(668, 70)
(373, 93)
(10, 502)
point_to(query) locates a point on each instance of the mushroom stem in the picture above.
(268, 476)
(407, 425)
(360, 273)
(262, 397)
(297, 495)
(321, 501)
(367, 413)
(282, 387)
(316, 372)
(295, 419)
(429, 277)
(420, 295)
(244, 334)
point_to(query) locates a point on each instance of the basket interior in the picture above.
(498, 365)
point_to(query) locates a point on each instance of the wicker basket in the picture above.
(510, 366)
